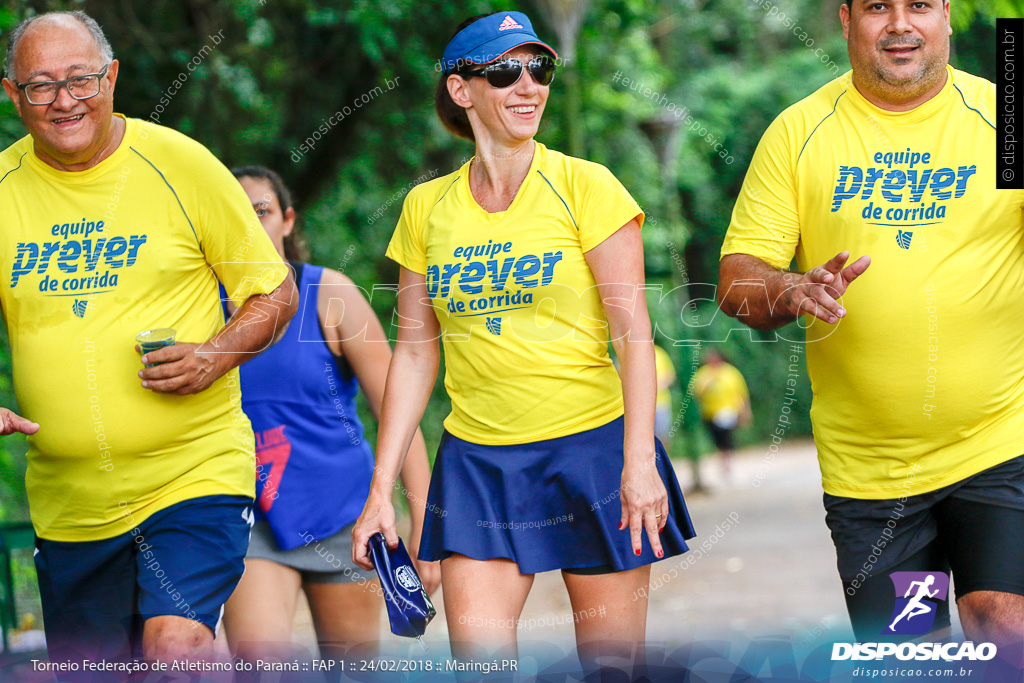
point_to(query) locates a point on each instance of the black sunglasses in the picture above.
(508, 71)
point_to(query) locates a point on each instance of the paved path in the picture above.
(772, 573)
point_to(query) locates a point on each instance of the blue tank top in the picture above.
(313, 464)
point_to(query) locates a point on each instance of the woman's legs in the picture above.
(346, 614)
(258, 616)
(611, 617)
(483, 600)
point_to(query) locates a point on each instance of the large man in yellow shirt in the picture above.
(140, 479)
(917, 362)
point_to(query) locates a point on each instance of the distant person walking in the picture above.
(724, 403)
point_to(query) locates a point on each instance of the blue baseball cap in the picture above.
(487, 39)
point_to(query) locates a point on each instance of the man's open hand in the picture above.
(818, 290)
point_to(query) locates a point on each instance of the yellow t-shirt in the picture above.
(524, 331)
(91, 258)
(719, 388)
(927, 370)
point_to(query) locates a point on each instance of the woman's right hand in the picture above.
(378, 515)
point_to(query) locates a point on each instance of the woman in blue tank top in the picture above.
(313, 464)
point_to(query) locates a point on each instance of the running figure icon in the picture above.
(915, 607)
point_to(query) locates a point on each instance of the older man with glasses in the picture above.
(140, 470)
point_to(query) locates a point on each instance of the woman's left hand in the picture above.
(644, 502)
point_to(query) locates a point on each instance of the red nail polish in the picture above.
(661, 529)
(661, 553)
(621, 527)
(637, 552)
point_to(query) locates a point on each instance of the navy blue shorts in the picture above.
(973, 527)
(546, 505)
(184, 560)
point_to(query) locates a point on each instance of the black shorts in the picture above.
(722, 437)
(974, 527)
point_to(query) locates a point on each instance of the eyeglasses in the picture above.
(508, 72)
(80, 87)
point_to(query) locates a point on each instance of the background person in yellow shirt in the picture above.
(724, 402)
(916, 362)
(665, 373)
(525, 262)
(140, 480)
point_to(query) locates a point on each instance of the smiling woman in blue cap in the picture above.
(525, 262)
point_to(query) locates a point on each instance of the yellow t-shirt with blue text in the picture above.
(719, 388)
(927, 368)
(523, 326)
(89, 259)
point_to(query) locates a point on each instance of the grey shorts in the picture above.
(326, 561)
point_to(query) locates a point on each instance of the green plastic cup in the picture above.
(151, 340)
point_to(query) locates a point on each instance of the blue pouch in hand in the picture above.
(409, 607)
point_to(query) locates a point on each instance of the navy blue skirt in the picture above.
(546, 505)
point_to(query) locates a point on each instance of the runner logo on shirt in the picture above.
(80, 259)
(481, 270)
(901, 190)
(917, 600)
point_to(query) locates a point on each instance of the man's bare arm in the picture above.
(188, 368)
(764, 298)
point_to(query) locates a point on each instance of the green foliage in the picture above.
(963, 13)
(283, 68)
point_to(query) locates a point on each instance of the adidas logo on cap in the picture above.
(509, 23)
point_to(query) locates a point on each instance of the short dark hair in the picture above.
(295, 247)
(452, 115)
